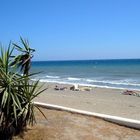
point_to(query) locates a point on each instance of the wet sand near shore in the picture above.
(99, 100)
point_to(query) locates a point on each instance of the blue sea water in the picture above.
(97, 73)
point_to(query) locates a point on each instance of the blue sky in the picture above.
(74, 29)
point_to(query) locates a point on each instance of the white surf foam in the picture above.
(116, 84)
(53, 77)
(89, 85)
(73, 79)
(113, 82)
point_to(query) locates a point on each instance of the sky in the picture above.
(73, 29)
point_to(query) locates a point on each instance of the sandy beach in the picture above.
(61, 125)
(100, 100)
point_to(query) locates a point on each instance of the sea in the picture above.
(116, 73)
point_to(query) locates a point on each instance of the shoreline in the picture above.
(100, 100)
(89, 85)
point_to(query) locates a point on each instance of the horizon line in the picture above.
(89, 59)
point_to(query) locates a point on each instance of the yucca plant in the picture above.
(17, 91)
(24, 59)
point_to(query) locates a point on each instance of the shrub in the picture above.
(17, 91)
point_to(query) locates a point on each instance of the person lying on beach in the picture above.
(130, 92)
(85, 89)
(61, 88)
(77, 88)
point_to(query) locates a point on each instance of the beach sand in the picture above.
(61, 125)
(99, 100)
